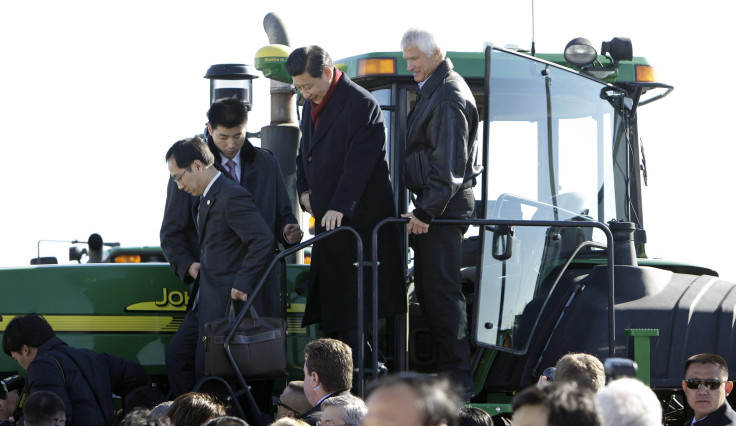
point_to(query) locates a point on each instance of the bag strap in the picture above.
(84, 376)
(63, 377)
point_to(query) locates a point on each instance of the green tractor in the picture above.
(555, 260)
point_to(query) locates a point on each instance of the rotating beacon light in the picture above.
(231, 80)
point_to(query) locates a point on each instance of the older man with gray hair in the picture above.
(629, 402)
(348, 410)
(440, 169)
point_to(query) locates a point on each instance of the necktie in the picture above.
(231, 168)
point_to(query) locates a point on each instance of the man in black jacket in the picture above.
(706, 387)
(83, 379)
(439, 167)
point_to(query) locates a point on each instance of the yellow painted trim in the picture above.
(108, 323)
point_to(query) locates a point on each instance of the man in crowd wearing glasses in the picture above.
(706, 387)
(292, 402)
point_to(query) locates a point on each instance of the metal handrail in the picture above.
(257, 290)
(495, 222)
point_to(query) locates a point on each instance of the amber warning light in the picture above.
(372, 66)
(128, 258)
(645, 73)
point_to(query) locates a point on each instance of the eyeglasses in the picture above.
(710, 384)
(277, 402)
(177, 178)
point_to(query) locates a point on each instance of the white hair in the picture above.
(353, 408)
(629, 402)
(422, 39)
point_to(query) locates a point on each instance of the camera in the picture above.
(617, 368)
(549, 373)
(10, 384)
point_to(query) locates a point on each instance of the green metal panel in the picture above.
(642, 355)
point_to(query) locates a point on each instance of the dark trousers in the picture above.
(437, 263)
(180, 356)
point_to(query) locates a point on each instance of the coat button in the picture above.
(309, 158)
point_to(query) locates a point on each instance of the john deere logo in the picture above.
(170, 301)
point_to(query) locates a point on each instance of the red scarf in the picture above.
(317, 109)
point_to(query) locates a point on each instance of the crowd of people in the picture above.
(73, 386)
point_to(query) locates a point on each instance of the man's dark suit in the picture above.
(342, 164)
(315, 413)
(260, 175)
(235, 246)
(724, 415)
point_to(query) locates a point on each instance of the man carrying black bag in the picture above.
(236, 244)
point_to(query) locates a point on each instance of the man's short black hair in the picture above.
(714, 359)
(228, 113)
(43, 408)
(187, 150)
(32, 330)
(568, 404)
(473, 416)
(312, 59)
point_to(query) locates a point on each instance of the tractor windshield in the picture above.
(556, 151)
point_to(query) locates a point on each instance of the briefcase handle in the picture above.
(230, 313)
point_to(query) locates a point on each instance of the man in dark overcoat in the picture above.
(343, 180)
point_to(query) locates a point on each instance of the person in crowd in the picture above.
(10, 409)
(628, 401)
(584, 369)
(43, 408)
(236, 245)
(706, 387)
(439, 168)
(258, 171)
(473, 416)
(556, 404)
(293, 401)
(162, 409)
(343, 180)
(348, 410)
(288, 421)
(194, 409)
(409, 399)
(84, 380)
(328, 371)
(227, 421)
(143, 417)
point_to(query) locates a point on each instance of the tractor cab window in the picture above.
(555, 153)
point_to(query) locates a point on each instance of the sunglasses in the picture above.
(277, 403)
(710, 384)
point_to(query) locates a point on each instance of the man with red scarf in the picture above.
(343, 180)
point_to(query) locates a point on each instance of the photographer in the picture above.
(83, 379)
(11, 397)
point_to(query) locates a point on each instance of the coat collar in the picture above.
(436, 77)
(247, 152)
(333, 110)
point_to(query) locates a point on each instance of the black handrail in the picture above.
(257, 290)
(495, 222)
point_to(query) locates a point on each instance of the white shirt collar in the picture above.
(211, 182)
